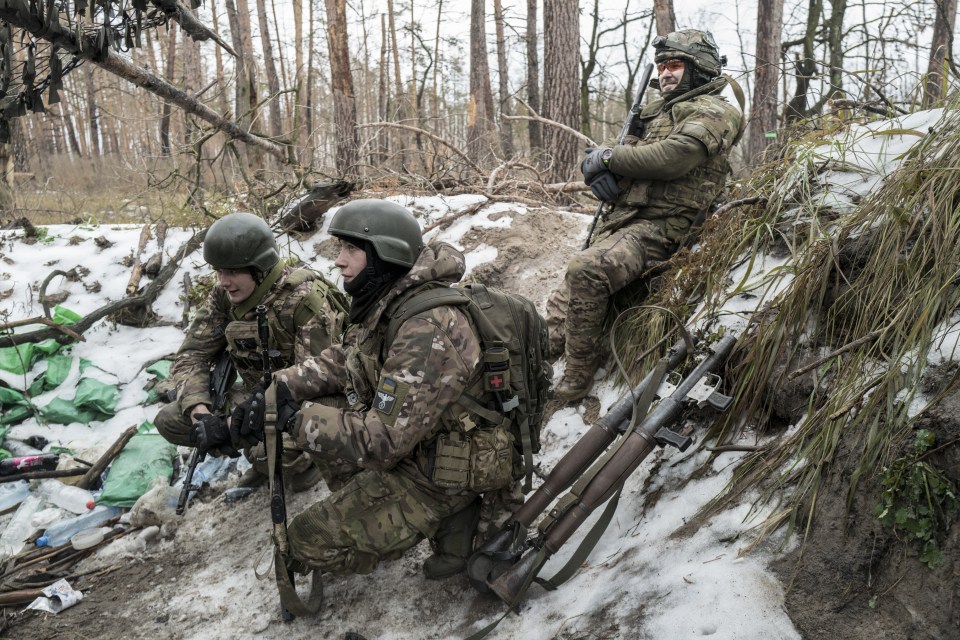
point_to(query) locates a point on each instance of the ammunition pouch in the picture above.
(480, 460)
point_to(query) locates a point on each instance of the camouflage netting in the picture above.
(41, 41)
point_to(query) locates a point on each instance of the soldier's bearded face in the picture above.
(238, 284)
(351, 260)
(671, 72)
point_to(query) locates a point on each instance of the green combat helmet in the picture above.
(691, 45)
(391, 229)
(238, 241)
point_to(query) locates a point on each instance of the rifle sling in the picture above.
(596, 532)
(290, 600)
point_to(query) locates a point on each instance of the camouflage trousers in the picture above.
(576, 314)
(175, 427)
(376, 515)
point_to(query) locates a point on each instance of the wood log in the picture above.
(303, 213)
(21, 596)
(37, 475)
(94, 472)
(137, 273)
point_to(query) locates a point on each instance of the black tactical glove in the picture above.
(605, 187)
(210, 432)
(286, 408)
(595, 162)
(246, 420)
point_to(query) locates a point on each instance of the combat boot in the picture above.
(577, 381)
(453, 543)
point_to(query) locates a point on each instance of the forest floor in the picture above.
(198, 582)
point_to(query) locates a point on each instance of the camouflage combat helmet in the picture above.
(238, 241)
(391, 229)
(691, 45)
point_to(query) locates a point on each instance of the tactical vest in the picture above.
(284, 318)
(674, 204)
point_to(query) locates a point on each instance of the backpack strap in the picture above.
(322, 294)
(421, 299)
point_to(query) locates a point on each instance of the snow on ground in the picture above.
(641, 575)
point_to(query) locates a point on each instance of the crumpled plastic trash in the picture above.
(58, 596)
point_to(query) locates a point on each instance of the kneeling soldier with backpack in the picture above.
(441, 410)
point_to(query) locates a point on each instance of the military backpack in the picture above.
(514, 344)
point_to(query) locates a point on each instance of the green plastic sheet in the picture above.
(16, 407)
(20, 358)
(94, 400)
(146, 457)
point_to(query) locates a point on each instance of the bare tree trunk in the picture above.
(763, 121)
(93, 111)
(245, 95)
(308, 116)
(835, 47)
(480, 108)
(8, 188)
(806, 65)
(383, 141)
(273, 83)
(663, 13)
(587, 67)
(506, 131)
(169, 66)
(561, 86)
(344, 105)
(533, 77)
(222, 101)
(299, 131)
(400, 108)
(941, 48)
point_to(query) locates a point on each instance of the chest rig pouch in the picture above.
(243, 345)
(476, 454)
(476, 459)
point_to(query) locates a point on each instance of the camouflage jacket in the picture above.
(679, 166)
(399, 399)
(303, 320)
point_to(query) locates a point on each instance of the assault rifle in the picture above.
(290, 603)
(631, 126)
(508, 562)
(221, 379)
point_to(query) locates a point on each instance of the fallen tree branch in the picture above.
(424, 132)
(149, 294)
(94, 471)
(37, 475)
(41, 320)
(87, 47)
(536, 117)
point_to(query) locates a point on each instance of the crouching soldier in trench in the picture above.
(403, 398)
(657, 184)
(304, 313)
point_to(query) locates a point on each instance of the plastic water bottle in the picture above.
(19, 449)
(61, 532)
(67, 496)
(13, 493)
(19, 528)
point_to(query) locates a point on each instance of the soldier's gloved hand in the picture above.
(605, 186)
(210, 431)
(246, 420)
(595, 162)
(286, 407)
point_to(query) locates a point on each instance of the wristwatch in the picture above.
(605, 155)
